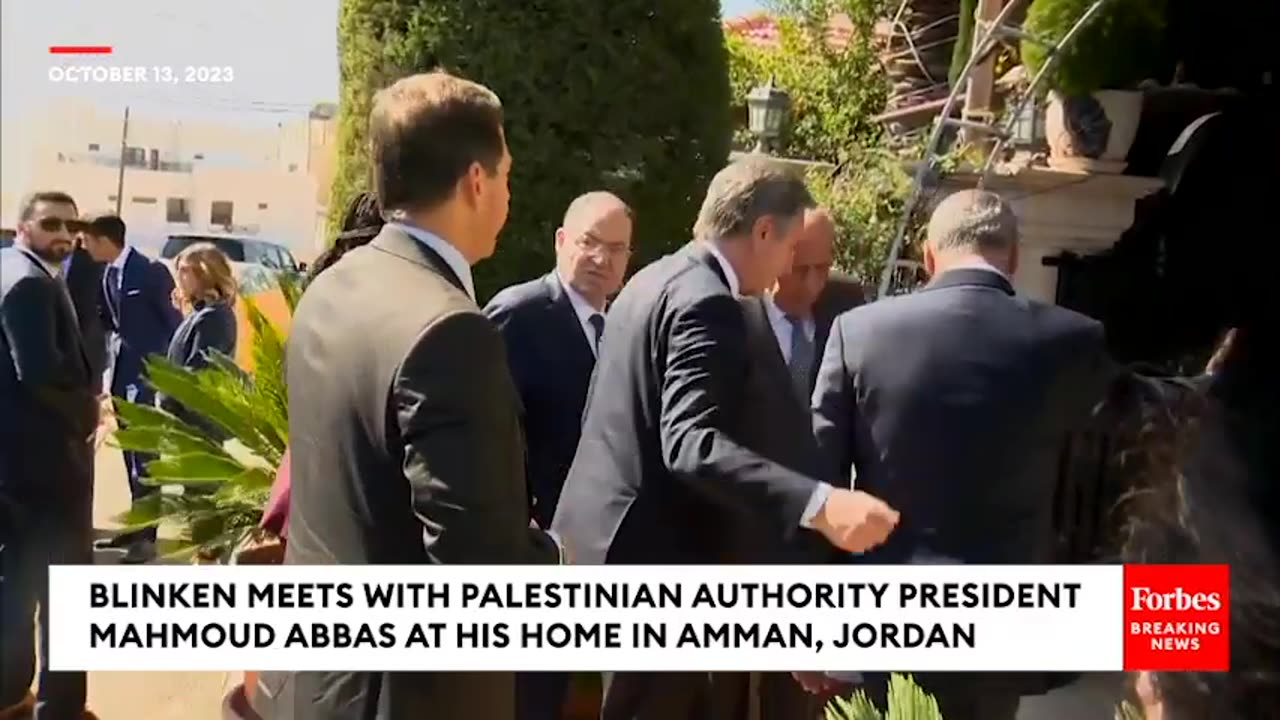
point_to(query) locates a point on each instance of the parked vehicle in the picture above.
(255, 261)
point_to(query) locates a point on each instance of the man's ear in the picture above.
(473, 183)
(930, 262)
(560, 235)
(1013, 260)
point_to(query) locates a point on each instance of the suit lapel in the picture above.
(68, 308)
(701, 254)
(570, 328)
(394, 241)
(760, 330)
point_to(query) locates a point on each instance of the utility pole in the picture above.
(124, 145)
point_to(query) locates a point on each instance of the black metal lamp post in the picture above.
(767, 107)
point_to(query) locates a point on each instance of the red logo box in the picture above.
(1177, 618)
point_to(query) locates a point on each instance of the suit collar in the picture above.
(395, 240)
(41, 264)
(971, 277)
(703, 252)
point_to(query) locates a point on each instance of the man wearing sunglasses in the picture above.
(48, 418)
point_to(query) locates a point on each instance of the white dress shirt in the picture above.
(583, 309)
(823, 490)
(118, 264)
(782, 328)
(450, 254)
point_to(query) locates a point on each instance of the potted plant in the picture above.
(1094, 105)
(222, 487)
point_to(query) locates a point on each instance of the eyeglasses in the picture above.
(592, 244)
(54, 224)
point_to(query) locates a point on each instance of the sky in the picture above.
(734, 8)
(282, 53)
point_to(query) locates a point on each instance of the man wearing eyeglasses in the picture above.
(48, 417)
(553, 327)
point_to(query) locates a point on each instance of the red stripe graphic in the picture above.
(79, 49)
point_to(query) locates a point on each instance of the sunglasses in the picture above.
(54, 224)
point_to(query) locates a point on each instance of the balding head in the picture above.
(971, 225)
(593, 245)
(799, 288)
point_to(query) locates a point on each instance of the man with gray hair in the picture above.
(669, 470)
(953, 404)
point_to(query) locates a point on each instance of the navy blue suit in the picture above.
(953, 404)
(48, 413)
(141, 319)
(551, 362)
(210, 327)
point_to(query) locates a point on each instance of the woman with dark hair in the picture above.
(361, 225)
(1208, 491)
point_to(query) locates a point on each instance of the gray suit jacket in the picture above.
(669, 463)
(953, 404)
(406, 449)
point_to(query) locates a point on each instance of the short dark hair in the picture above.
(425, 132)
(360, 226)
(110, 227)
(55, 197)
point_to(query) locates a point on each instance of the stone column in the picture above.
(1061, 211)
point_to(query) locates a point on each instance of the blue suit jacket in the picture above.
(953, 404)
(209, 327)
(551, 363)
(143, 322)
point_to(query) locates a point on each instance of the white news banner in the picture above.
(619, 618)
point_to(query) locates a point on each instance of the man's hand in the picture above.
(855, 521)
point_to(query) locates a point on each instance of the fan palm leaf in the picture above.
(213, 490)
(906, 701)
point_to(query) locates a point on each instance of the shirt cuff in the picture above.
(563, 553)
(814, 506)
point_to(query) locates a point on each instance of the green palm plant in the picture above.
(906, 701)
(221, 485)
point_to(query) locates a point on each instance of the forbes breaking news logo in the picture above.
(1177, 617)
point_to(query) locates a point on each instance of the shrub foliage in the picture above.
(630, 96)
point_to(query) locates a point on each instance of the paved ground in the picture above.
(198, 696)
(145, 695)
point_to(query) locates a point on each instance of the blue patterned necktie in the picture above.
(801, 362)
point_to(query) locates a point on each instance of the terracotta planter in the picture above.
(1092, 133)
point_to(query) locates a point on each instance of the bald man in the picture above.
(553, 327)
(953, 403)
(798, 312)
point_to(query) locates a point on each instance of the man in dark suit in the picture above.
(138, 311)
(404, 420)
(809, 297)
(953, 404)
(668, 470)
(799, 310)
(552, 327)
(83, 275)
(48, 414)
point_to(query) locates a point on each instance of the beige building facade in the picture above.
(271, 180)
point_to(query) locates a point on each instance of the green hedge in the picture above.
(626, 95)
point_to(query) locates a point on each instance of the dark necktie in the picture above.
(597, 324)
(111, 279)
(801, 362)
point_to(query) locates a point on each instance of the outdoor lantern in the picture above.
(766, 109)
(1028, 129)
